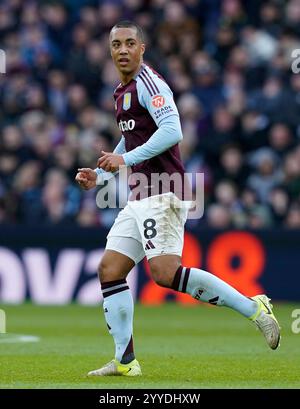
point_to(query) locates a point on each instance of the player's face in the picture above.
(126, 50)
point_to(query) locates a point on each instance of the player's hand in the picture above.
(86, 178)
(110, 162)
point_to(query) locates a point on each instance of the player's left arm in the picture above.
(109, 163)
(166, 117)
(88, 178)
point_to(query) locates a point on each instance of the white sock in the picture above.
(204, 286)
(118, 311)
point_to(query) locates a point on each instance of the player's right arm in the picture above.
(88, 178)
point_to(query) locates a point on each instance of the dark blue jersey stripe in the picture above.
(149, 90)
(152, 81)
(143, 74)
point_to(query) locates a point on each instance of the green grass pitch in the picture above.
(177, 346)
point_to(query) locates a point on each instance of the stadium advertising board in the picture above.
(50, 266)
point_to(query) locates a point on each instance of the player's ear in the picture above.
(143, 48)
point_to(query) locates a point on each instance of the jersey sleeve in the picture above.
(168, 134)
(156, 96)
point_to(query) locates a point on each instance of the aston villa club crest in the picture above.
(127, 101)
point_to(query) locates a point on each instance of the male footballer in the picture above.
(151, 225)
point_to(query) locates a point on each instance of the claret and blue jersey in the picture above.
(145, 106)
(149, 122)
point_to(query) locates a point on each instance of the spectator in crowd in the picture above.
(279, 204)
(218, 216)
(266, 175)
(229, 65)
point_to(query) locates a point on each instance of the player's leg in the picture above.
(167, 271)
(118, 307)
(117, 302)
(161, 226)
(120, 256)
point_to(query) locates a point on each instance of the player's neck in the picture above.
(126, 78)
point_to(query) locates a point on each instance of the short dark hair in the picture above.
(130, 24)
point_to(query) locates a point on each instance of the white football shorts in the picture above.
(152, 226)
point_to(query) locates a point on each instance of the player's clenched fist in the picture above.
(110, 162)
(86, 178)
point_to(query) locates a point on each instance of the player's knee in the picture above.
(160, 280)
(163, 275)
(114, 267)
(106, 272)
(101, 271)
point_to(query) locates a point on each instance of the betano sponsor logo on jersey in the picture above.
(158, 101)
(126, 125)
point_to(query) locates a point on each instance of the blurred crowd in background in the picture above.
(228, 63)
